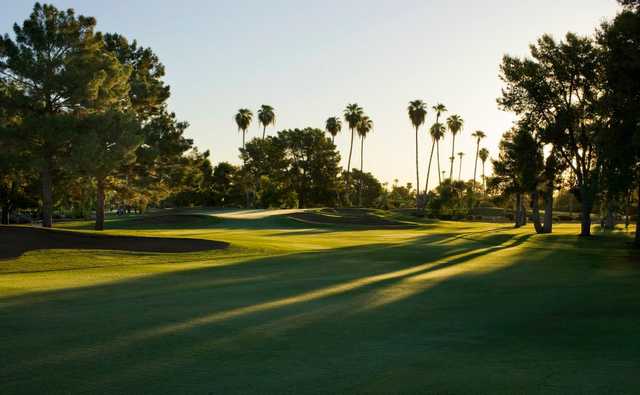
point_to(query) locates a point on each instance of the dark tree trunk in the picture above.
(570, 207)
(100, 205)
(585, 211)
(609, 221)
(518, 211)
(548, 209)
(47, 197)
(5, 215)
(535, 213)
(637, 237)
(626, 209)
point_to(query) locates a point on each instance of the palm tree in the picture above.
(455, 124)
(484, 155)
(417, 113)
(439, 109)
(243, 120)
(479, 135)
(460, 154)
(437, 132)
(364, 127)
(333, 126)
(352, 114)
(267, 116)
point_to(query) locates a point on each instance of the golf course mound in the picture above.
(348, 217)
(166, 221)
(16, 240)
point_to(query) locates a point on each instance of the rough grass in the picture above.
(444, 307)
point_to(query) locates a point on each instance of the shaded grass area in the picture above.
(445, 308)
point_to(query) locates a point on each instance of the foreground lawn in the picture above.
(298, 307)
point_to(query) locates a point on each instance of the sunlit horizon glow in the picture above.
(308, 61)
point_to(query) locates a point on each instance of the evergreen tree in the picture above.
(58, 64)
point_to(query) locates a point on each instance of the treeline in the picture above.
(295, 168)
(300, 168)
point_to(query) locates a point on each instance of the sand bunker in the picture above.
(16, 240)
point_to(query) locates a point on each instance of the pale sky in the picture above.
(309, 59)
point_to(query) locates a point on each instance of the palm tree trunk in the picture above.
(418, 174)
(426, 187)
(361, 173)
(243, 137)
(264, 131)
(438, 159)
(347, 197)
(475, 169)
(460, 170)
(100, 204)
(475, 165)
(246, 190)
(453, 156)
(484, 182)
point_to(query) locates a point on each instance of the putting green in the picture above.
(441, 307)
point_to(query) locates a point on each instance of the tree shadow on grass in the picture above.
(298, 323)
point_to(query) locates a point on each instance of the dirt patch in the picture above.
(347, 217)
(16, 240)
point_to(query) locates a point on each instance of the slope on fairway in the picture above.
(348, 217)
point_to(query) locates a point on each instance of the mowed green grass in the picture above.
(445, 307)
